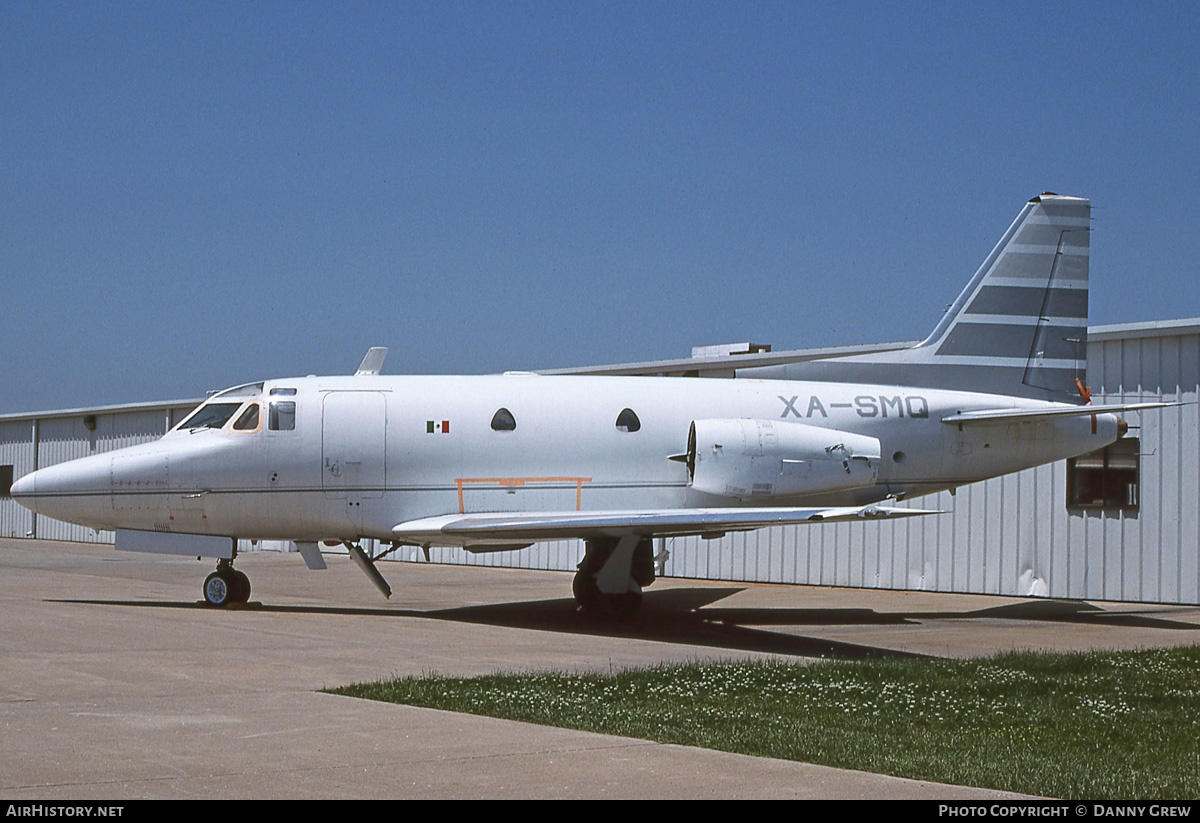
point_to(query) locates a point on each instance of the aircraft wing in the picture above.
(498, 530)
(993, 415)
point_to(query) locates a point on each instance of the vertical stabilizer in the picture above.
(1018, 328)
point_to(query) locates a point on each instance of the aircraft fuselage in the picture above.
(340, 458)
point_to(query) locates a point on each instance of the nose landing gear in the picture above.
(226, 585)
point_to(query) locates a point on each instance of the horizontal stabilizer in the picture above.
(497, 528)
(993, 415)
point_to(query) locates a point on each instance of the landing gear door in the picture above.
(353, 445)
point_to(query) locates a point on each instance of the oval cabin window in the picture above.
(503, 421)
(627, 421)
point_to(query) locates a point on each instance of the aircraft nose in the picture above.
(69, 491)
(24, 490)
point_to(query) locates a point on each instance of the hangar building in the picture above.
(1121, 524)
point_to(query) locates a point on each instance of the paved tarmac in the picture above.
(116, 683)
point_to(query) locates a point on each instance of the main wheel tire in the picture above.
(642, 567)
(243, 586)
(219, 589)
(610, 606)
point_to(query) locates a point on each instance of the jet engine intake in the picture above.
(767, 458)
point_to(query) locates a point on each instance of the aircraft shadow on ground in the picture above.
(1071, 611)
(690, 616)
(671, 616)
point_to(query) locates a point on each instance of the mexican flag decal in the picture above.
(432, 426)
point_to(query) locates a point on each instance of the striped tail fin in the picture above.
(1019, 327)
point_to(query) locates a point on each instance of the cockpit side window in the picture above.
(248, 420)
(281, 416)
(210, 416)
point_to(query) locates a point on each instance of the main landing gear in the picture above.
(226, 585)
(612, 574)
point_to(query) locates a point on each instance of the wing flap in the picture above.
(519, 529)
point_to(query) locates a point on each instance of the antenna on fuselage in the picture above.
(373, 362)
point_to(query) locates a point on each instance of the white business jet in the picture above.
(495, 463)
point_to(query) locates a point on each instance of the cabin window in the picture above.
(248, 421)
(503, 421)
(627, 421)
(1105, 479)
(282, 416)
(6, 481)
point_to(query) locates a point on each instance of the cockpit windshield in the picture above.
(243, 404)
(247, 390)
(210, 416)
(215, 412)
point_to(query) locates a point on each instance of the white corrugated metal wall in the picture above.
(17, 450)
(1012, 535)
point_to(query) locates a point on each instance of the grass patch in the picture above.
(1097, 725)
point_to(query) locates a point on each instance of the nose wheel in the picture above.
(226, 585)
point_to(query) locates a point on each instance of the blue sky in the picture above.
(194, 195)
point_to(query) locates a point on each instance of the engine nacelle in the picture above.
(767, 458)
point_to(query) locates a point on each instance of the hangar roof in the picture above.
(1154, 328)
(117, 409)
